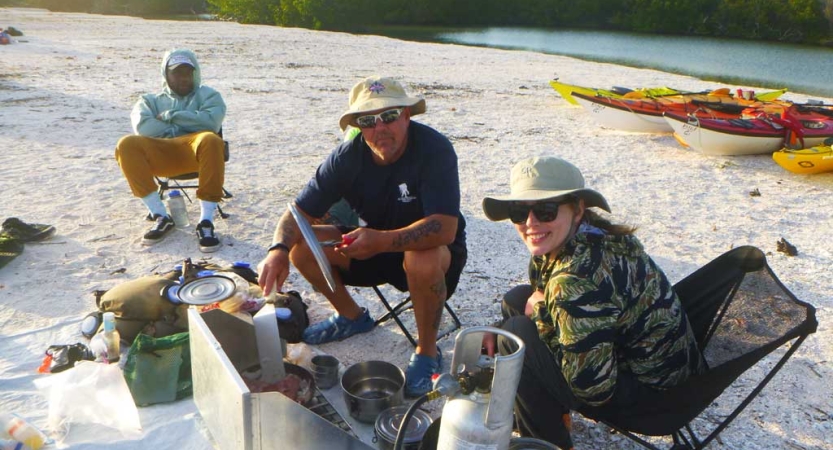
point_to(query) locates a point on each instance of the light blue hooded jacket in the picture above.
(167, 115)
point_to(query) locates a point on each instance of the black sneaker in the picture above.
(160, 229)
(10, 248)
(208, 240)
(26, 232)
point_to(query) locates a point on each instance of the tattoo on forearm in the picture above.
(285, 231)
(440, 291)
(412, 236)
(287, 236)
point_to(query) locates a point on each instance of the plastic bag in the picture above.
(299, 354)
(90, 393)
(159, 369)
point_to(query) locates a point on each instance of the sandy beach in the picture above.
(66, 90)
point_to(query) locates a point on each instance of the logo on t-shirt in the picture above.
(404, 195)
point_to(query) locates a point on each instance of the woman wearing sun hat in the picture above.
(602, 325)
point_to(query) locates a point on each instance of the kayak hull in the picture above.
(806, 161)
(732, 137)
(644, 114)
(620, 116)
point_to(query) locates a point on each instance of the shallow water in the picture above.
(800, 68)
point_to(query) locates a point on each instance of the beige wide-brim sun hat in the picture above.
(376, 93)
(542, 178)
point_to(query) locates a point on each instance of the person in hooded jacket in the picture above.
(602, 326)
(176, 132)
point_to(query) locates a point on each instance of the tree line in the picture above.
(146, 8)
(798, 21)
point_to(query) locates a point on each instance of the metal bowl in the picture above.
(371, 387)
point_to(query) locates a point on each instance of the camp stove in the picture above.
(321, 406)
(239, 419)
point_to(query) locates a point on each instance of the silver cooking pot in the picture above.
(371, 387)
(389, 422)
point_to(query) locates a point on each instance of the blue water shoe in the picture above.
(419, 372)
(338, 327)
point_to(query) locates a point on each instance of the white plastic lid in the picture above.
(109, 321)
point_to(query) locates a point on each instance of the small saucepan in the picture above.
(371, 387)
(390, 421)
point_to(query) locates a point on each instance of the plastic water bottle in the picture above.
(111, 338)
(7, 444)
(176, 205)
(22, 431)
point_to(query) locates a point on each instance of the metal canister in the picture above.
(387, 427)
(481, 418)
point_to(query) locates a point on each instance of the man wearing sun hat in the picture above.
(176, 133)
(401, 178)
(604, 331)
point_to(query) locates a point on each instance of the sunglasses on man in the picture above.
(389, 116)
(543, 211)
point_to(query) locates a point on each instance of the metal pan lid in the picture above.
(206, 290)
(387, 424)
(314, 246)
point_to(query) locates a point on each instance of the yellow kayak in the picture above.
(566, 90)
(817, 159)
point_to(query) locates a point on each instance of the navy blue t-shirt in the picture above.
(422, 182)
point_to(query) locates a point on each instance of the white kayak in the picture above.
(730, 137)
(623, 119)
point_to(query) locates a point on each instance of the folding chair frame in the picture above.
(404, 305)
(684, 437)
(165, 183)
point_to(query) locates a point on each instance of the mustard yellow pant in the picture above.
(141, 158)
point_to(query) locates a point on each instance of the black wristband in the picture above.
(279, 245)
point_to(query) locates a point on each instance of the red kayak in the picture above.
(755, 132)
(644, 115)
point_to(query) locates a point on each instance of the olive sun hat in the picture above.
(542, 178)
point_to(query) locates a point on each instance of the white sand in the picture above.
(65, 96)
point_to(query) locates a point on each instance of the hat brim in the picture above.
(497, 208)
(174, 66)
(416, 105)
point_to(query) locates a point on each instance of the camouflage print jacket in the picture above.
(609, 308)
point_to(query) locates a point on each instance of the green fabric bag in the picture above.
(159, 369)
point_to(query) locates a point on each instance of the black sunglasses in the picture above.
(543, 211)
(389, 116)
